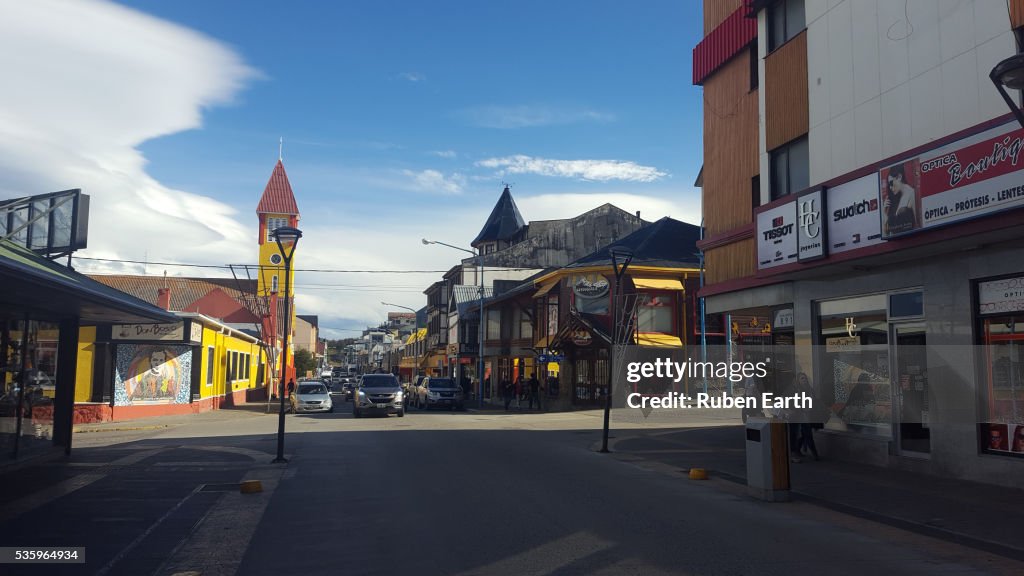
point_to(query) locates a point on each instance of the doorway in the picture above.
(910, 386)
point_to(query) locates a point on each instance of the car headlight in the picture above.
(432, 395)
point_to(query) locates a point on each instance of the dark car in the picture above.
(440, 392)
(378, 394)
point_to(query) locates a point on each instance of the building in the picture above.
(882, 240)
(307, 333)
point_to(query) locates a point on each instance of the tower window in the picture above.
(273, 284)
(274, 224)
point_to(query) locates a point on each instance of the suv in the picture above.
(380, 393)
(442, 392)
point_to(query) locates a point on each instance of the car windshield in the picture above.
(380, 381)
(441, 383)
(312, 389)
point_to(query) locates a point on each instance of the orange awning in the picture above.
(658, 339)
(658, 283)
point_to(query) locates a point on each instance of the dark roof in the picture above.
(33, 283)
(504, 222)
(184, 291)
(277, 196)
(667, 242)
(311, 318)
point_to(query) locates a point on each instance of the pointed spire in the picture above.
(504, 222)
(277, 196)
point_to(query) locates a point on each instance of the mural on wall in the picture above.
(152, 374)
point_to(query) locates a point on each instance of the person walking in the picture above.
(507, 390)
(291, 386)
(534, 391)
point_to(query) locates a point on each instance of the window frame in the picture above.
(211, 364)
(787, 149)
(645, 296)
(789, 31)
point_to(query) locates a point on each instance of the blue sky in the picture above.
(400, 120)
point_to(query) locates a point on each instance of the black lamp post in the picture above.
(1009, 74)
(287, 238)
(621, 257)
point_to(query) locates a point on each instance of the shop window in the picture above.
(1002, 430)
(906, 305)
(790, 165)
(597, 306)
(786, 19)
(656, 313)
(210, 365)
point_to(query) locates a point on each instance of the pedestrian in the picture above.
(534, 391)
(507, 390)
(519, 391)
(291, 386)
(812, 419)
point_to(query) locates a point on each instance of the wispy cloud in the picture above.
(436, 182)
(444, 153)
(596, 170)
(413, 76)
(513, 117)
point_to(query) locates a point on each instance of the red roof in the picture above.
(277, 196)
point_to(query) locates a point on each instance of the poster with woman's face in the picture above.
(152, 374)
(900, 198)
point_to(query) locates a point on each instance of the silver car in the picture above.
(440, 392)
(311, 397)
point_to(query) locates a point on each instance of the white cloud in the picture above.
(514, 117)
(94, 81)
(413, 76)
(445, 153)
(436, 182)
(598, 170)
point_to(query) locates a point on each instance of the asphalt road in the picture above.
(431, 493)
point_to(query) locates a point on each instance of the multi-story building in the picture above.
(861, 192)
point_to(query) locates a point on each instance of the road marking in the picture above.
(548, 558)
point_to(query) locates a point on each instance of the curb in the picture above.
(121, 428)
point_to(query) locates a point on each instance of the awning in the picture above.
(542, 343)
(546, 288)
(658, 339)
(658, 283)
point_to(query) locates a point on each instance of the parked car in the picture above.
(311, 396)
(378, 393)
(440, 392)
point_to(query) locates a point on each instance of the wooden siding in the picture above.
(729, 262)
(716, 11)
(730, 147)
(785, 86)
(1016, 14)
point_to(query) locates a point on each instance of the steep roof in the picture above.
(184, 291)
(503, 223)
(277, 196)
(667, 242)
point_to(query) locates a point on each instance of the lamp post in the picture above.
(480, 330)
(287, 238)
(416, 332)
(1010, 74)
(621, 257)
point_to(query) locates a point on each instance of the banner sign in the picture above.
(810, 210)
(175, 331)
(969, 178)
(853, 215)
(1001, 296)
(777, 236)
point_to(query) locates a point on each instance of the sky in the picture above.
(400, 120)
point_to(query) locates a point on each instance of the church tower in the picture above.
(277, 208)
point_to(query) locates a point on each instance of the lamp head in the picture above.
(1009, 72)
(621, 257)
(287, 235)
(426, 242)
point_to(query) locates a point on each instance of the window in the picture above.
(785, 20)
(525, 325)
(655, 313)
(210, 365)
(489, 248)
(274, 224)
(552, 315)
(1001, 383)
(755, 191)
(493, 325)
(790, 168)
(273, 284)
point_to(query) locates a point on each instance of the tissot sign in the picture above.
(777, 236)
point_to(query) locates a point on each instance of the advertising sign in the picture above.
(972, 177)
(810, 209)
(174, 332)
(195, 332)
(590, 285)
(152, 374)
(853, 220)
(783, 319)
(777, 236)
(1001, 296)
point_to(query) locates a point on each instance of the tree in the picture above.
(304, 361)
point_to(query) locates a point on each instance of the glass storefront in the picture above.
(1001, 331)
(28, 374)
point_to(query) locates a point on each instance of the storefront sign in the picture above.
(174, 331)
(810, 209)
(853, 215)
(582, 338)
(842, 344)
(783, 319)
(777, 236)
(196, 332)
(972, 177)
(1001, 296)
(590, 286)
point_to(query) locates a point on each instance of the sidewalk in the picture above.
(981, 516)
(157, 422)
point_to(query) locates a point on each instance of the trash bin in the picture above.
(767, 459)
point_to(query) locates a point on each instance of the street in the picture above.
(431, 493)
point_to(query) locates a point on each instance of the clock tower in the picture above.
(277, 208)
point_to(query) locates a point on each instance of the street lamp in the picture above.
(480, 331)
(416, 332)
(621, 257)
(287, 238)
(1010, 74)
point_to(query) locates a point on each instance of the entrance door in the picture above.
(910, 387)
